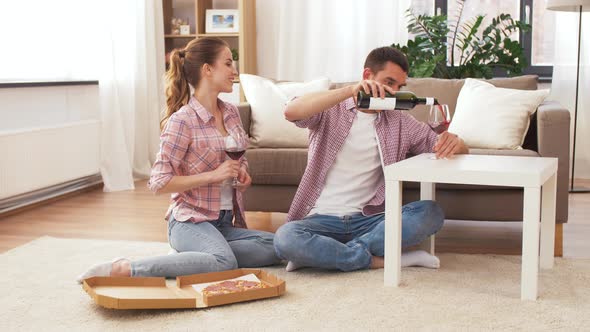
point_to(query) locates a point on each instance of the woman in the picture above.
(193, 166)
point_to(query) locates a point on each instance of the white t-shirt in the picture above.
(354, 177)
(226, 194)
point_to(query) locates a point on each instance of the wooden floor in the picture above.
(138, 215)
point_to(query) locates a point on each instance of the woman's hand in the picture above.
(229, 169)
(244, 179)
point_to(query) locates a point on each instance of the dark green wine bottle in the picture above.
(401, 100)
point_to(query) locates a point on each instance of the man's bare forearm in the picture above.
(311, 104)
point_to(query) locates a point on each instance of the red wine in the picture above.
(235, 154)
(401, 100)
(440, 127)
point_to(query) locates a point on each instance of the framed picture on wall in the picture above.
(222, 21)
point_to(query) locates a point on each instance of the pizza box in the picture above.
(159, 293)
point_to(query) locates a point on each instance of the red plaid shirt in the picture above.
(191, 144)
(398, 133)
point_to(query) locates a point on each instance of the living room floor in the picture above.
(138, 215)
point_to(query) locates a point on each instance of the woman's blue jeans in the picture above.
(208, 247)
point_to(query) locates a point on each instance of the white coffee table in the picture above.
(535, 174)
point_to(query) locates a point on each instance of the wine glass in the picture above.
(235, 148)
(439, 118)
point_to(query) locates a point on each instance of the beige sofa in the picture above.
(276, 172)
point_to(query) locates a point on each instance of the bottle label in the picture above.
(382, 104)
(429, 101)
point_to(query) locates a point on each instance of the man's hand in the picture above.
(449, 144)
(244, 179)
(371, 88)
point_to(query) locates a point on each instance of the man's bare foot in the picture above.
(377, 262)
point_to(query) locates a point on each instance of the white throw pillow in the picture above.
(488, 117)
(269, 128)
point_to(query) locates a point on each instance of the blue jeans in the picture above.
(347, 243)
(208, 247)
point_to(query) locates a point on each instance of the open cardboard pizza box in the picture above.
(159, 293)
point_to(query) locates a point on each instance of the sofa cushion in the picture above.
(277, 166)
(268, 126)
(447, 90)
(494, 118)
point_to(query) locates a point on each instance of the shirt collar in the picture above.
(203, 113)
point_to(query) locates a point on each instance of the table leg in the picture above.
(428, 192)
(530, 243)
(393, 233)
(548, 222)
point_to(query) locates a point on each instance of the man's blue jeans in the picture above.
(347, 243)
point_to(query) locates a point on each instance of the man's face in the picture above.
(391, 75)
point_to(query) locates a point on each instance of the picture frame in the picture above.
(222, 21)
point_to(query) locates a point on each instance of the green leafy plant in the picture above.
(235, 55)
(472, 55)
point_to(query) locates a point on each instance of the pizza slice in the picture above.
(231, 286)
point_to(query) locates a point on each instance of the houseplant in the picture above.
(478, 55)
(235, 57)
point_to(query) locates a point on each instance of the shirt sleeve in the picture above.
(310, 123)
(422, 138)
(174, 143)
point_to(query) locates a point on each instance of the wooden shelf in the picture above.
(181, 36)
(196, 12)
(219, 35)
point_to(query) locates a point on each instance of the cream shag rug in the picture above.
(469, 292)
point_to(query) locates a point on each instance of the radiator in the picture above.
(35, 159)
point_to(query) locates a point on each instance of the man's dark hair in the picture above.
(378, 57)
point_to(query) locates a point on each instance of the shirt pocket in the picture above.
(203, 159)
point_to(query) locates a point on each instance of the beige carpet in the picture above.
(469, 292)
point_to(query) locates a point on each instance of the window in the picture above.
(538, 43)
(48, 40)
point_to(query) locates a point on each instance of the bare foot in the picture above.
(377, 262)
(121, 268)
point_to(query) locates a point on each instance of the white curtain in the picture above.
(563, 86)
(131, 89)
(303, 39)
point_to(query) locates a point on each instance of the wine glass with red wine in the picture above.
(235, 148)
(439, 118)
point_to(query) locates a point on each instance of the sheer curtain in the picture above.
(563, 86)
(303, 39)
(131, 89)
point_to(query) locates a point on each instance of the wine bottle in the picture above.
(401, 100)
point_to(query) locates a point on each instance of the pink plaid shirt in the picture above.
(190, 144)
(398, 134)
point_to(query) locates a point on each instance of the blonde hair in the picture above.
(185, 69)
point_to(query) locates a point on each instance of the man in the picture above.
(337, 220)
